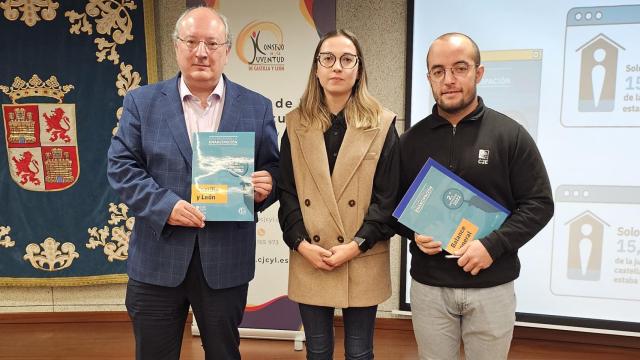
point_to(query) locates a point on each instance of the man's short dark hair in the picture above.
(476, 50)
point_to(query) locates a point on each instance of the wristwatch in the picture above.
(363, 244)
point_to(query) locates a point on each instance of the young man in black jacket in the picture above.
(471, 298)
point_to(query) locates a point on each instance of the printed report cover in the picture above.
(221, 175)
(441, 204)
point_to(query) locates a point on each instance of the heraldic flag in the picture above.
(66, 67)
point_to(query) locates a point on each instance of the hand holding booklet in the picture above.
(441, 204)
(221, 185)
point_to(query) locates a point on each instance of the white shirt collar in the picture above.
(186, 94)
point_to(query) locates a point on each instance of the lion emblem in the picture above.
(24, 170)
(57, 125)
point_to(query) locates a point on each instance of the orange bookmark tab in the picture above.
(465, 232)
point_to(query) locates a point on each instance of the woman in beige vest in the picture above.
(339, 164)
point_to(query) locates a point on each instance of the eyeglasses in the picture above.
(192, 44)
(347, 61)
(458, 71)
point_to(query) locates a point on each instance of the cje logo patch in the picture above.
(483, 157)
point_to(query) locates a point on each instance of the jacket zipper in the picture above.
(453, 147)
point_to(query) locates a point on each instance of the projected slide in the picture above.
(571, 76)
(512, 82)
(596, 247)
(601, 84)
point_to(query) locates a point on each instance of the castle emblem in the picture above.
(41, 138)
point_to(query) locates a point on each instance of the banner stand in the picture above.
(271, 55)
(268, 334)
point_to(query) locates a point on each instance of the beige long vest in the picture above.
(333, 209)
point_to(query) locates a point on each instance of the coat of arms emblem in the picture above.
(41, 138)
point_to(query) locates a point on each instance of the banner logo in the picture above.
(41, 138)
(261, 46)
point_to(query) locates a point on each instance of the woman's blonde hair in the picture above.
(362, 110)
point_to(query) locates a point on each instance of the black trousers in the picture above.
(159, 314)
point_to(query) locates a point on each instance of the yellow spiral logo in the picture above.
(260, 42)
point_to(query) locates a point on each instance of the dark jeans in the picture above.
(159, 314)
(359, 323)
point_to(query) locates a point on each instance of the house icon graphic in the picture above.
(586, 235)
(598, 68)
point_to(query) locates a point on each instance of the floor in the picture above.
(114, 340)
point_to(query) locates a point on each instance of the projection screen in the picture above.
(569, 72)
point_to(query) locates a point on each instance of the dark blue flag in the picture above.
(65, 68)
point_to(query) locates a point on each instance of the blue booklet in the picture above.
(221, 176)
(441, 204)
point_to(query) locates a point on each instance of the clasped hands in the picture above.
(473, 256)
(185, 214)
(330, 259)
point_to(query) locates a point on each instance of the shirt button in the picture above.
(352, 203)
(340, 239)
(335, 154)
(335, 133)
(316, 238)
(307, 202)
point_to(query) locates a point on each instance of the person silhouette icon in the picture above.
(585, 246)
(598, 75)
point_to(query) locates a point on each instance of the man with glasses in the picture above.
(471, 297)
(176, 258)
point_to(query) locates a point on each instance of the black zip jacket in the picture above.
(513, 174)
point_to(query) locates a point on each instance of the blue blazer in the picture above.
(150, 168)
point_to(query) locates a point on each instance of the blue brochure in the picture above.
(441, 204)
(221, 175)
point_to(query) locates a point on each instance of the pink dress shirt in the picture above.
(198, 118)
